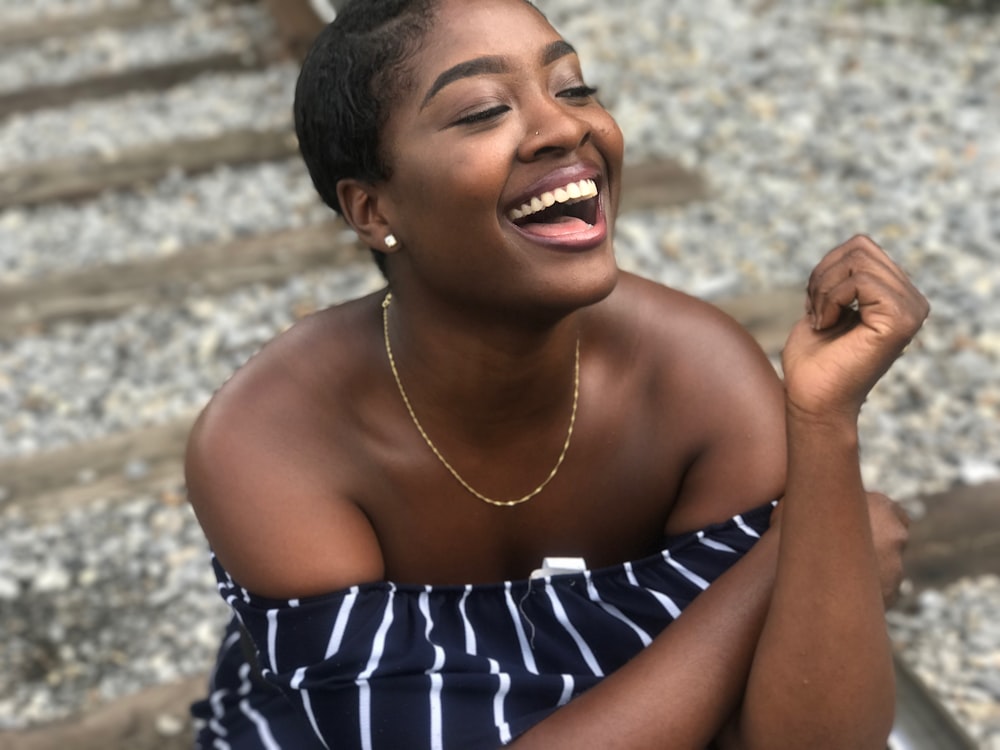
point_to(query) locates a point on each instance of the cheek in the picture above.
(611, 135)
(466, 183)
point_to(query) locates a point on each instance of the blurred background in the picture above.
(157, 227)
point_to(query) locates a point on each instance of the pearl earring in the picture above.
(391, 241)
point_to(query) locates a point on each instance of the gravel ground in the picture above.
(16, 12)
(209, 106)
(178, 212)
(811, 124)
(61, 60)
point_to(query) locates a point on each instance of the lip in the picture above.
(557, 178)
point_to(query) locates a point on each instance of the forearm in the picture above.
(823, 669)
(679, 691)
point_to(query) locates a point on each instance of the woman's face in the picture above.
(504, 167)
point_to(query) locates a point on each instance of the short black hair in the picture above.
(353, 74)
(350, 78)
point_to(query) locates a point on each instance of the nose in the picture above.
(553, 126)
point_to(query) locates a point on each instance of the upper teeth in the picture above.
(574, 191)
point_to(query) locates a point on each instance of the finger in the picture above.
(857, 249)
(878, 302)
(902, 514)
(859, 255)
(848, 260)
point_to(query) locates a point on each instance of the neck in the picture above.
(467, 372)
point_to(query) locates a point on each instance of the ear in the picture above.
(361, 208)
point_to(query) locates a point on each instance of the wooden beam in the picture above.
(958, 536)
(108, 86)
(47, 484)
(66, 25)
(83, 177)
(297, 23)
(215, 268)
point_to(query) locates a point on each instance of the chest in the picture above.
(607, 504)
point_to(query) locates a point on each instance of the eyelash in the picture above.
(577, 92)
(483, 115)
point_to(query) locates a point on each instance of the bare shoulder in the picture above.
(716, 389)
(685, 338)
(263, 465)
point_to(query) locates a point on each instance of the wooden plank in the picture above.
(216, 268)
(33, 32)
(83, 177)
(661, 183)
(220, 267)
(107, 86)
(297, 23)
(922, 722)
(129, 723)
(44, 485)
(958, 536)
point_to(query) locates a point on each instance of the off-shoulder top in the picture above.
(387, 666)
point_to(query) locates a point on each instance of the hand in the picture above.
(861, 312)
(890, 532)
(890, 526)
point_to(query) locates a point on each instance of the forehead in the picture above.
(467, 29)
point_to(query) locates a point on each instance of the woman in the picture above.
(381, 482)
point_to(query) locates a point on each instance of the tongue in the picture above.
(564, 225)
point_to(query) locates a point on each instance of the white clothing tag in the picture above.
(554, 566)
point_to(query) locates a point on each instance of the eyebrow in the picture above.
(491, 65)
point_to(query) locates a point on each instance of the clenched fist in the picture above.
(861, 312)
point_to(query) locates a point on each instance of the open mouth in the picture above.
(571, 206)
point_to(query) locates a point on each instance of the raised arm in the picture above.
(823, 668)
(800, 618)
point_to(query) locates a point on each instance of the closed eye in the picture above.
(483, 115)
(578, 92)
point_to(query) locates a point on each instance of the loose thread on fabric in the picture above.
(524, 615)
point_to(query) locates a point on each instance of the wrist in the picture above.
(840, 425)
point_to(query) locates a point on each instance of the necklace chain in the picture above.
(502, 503)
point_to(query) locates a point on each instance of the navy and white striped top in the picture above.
(384, 666)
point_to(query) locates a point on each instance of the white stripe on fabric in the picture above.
(272, 637)
(529, 658)
(631, 575)
(435, 672)
(437, 730)
(364, 689)
(218, 712)
(307, 705)
(221, 745)
(696, 579)
(612, 610)
(425, 610)
(499, 720)
(340, 625)
(218, 728)
(666, 602)
(567, 692)
(471, 646)
(244, 674)
(712, 544)
(563, 618)
(745, 528)
(263, 728)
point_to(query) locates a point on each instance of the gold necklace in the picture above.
(436, 452)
